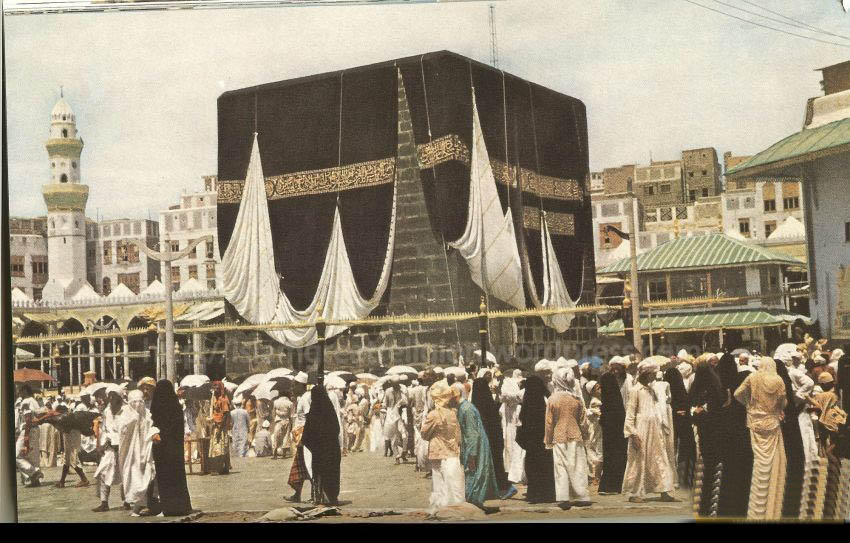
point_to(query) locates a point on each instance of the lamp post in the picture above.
(167, 257)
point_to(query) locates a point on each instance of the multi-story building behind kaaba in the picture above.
(343, 139)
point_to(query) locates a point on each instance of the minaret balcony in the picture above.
(64, 147)
(65, 196)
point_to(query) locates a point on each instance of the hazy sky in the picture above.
(656, 75)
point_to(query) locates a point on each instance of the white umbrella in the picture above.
(92, 388)
(789, 348)
(250, 383)
(278, 372)
(490, 356)
(264, 391)
(335, 381)
(342, 373)
(367, 377)
(401, 369)
(194, 380)
(457, 371)
(230, 387)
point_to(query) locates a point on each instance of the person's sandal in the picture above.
(635, 499)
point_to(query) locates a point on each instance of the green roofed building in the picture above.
(819, 155)
(738, 281)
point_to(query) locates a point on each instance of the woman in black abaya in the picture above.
(321, 436)
(483, 400)
(795, 458)
(539, 464)
(708, 397)
(614, 443)
(736, 451)
(683, 431)
(168, 452)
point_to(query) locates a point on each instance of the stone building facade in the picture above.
(702, 173)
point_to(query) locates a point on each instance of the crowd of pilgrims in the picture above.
(743, 432)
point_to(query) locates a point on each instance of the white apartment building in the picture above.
(121, 261)
(194, 217)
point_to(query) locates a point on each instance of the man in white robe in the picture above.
(108, 434)
(511, 398)
(135, 452)
(394, 402)
(263, 440)
(284, 410)
(649, 468)
(27, 440)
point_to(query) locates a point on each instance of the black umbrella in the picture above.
(78, 420)
(201, 393)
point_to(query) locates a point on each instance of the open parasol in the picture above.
(267, 390)
(367, 378)
(335, 381)
(403, 370)
(490, 356)
(278, 372)
(346, 376)
(661, 361)
(737, 352)
(27, 375)
(249, 384)
(194, 381)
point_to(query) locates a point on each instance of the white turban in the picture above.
(647, 366)
(543, 365)
(683, 354)
(517, 374)
(266, 424)
(482, 372)
(572, 363)
(437, 369)
(836, 354)
(584, 366)
(560, 363)
(300, 377)
(588, 386)
(617, 360)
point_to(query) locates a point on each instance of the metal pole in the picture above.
(159, 341)
(649, 315)
(482, 331)
(79, 365)
(114, 361)
(102, 360)
(170, 367)
(197, 343)
(91, 355)
(638, 340)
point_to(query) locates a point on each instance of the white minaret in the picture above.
(66, 206)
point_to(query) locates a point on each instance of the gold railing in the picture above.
(394, 320)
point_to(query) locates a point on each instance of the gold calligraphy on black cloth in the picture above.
(563, 224)
(378, 172)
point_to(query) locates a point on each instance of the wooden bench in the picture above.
(203, 446)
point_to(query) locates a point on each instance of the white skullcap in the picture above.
(300, 377)
(543, 365)
(584, 366)
(237, 402)
(572, 363)
(588, 386)
(836, 354)
(266, 424)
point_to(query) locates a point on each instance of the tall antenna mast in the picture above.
(494, 47)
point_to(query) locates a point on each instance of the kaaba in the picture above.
(388, 149)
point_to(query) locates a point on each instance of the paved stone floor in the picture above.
(370, 484)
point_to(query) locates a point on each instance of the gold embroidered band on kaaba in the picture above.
(378, 172)
(563, 224)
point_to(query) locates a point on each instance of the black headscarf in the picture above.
(727, 370)
(707, 388)
(487, 407)
(614, 444)
(321, 436)
(678, 392)
(532, 415)
(167, 415)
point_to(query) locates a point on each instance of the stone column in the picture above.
(114, 361)
(102, 360)
(91, 355)
(160, 340)
(79, 364)
(126, 357)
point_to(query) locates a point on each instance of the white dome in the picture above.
(62, 111)
(791, 229)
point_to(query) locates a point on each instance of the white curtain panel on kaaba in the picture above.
(555, 293)
(489, 243)
(252, 285)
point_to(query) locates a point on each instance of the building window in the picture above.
(175, 246)
(657, 289)
(175, 278)
(690, 174)
(689, 285)
(137, 229)
(106, 230)
(847, 232)
(791, 203)
(609, 210)
(210, 249)
(107, 252)
(194, 252)
(210, 284)
(63, 179)
(666, 213)
(769, 228)
(705, 172)
(744, 227)
(664, 188)
(769, 206)
(740, 184)
(210, 271)
(193, 271)
(705, 193)
(36, 293)
(74, 165)
(130, 280)
(749, 202)
(17, 266)
(121, 252)
(649, 190)
(64, 131)
(692, 195)
(107, 286)
(731, 203)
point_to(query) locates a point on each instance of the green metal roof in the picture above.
(804, 146)
(708, 250)
(709, 320)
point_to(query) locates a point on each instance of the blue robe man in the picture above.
(475, 456)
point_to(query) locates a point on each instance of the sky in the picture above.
(657, 76)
